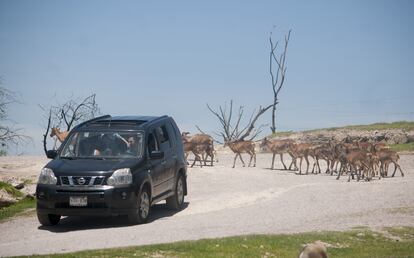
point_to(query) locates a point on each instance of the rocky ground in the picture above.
(388, 136)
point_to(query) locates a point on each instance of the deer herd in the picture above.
(364, 160)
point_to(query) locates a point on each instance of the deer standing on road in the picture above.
(386, 157)
(241, 146)
(302, 151)
(207, 148)
(276, 147)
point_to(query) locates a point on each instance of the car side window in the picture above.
(152, 143)
(172, 133)
(163, 137)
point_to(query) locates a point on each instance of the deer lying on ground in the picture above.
(276, 147)
(241, 146)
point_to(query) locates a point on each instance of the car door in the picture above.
(166, 142)
(155, 166)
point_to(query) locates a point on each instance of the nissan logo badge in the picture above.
(81, 181)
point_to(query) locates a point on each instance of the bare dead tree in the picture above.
(75, 111)
(68, 114)
(277, 73)
(9, 134)
(231, 129)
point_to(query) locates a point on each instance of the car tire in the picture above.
(48, 219)
(176, 201)
(142, 213)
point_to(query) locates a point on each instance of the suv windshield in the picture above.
(103, 144)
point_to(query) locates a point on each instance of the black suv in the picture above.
(114, 166)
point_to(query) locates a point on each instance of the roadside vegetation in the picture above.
(403, 147)
(360, 242)
(403, 125)
(19, 207)
(11, 190)
(283, 134)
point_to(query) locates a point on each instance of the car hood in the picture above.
(64, 167)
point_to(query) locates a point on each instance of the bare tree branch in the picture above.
(230, 130)
(9, 134)
(198, 128)
(69, 113)
(251, 126)
(277, 74)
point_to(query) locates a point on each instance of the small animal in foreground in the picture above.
(314, 250)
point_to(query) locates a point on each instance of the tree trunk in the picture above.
(273, 128)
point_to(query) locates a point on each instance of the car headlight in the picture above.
(47, 177)
(121, 176)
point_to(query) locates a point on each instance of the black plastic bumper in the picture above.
(103, 201)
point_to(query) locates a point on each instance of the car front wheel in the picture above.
(144, 207)
(176, 201)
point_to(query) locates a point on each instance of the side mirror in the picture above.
(51, 154)
(157, 155)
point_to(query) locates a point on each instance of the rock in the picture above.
(396, 138)
(410, 136)
(6, 199)
(29, 189)
(19, 186)
(314, 250)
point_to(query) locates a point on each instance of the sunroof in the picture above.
(116, 123)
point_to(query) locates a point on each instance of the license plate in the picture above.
(78, 201)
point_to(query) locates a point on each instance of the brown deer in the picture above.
(360, 163)
(207, 140)
(241, 146)
(386, 157)
(60, 135)
(276, 147)
(302, 151)
(201, 139)
(323, 152)
(196, 149)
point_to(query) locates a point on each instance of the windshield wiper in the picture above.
(97, 158)
(70, 158)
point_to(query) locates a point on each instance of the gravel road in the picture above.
(224, 202)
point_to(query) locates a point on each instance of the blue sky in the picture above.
(349, 62)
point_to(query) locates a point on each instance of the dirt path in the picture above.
(224, 202)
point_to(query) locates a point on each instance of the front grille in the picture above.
(64, 180)
(82, 180)
(99, 180)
